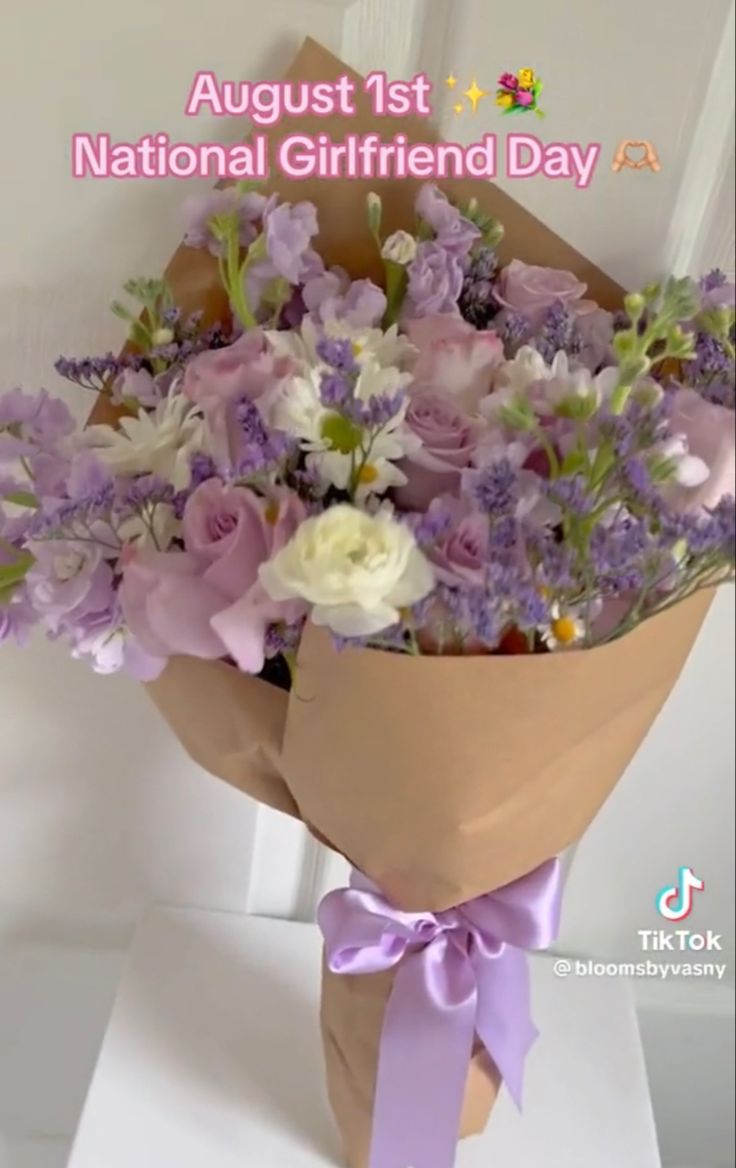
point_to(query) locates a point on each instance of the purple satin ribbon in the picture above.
(460, 973)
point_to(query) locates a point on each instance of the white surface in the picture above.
(213, 1058)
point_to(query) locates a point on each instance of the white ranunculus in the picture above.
(160, 443)
(356, 570)
(401, 248)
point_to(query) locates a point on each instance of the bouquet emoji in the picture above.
(519, 95)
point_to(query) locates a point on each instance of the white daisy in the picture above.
(565, 628)
(160, 442)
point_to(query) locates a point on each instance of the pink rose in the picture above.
(708, 430)
(524, 97)
(207, 601)
(449, 438)
(460, 556)
(532, 291)
(508, 81)
(248, 368)
(454, 358)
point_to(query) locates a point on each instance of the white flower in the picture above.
(565, 628)
(689, 470)
(364, 476)
(156, 529)
(357, 570)
(161, 442)
(527, 367)
(368, 344)
(401, 248)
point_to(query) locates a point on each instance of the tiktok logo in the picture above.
(675, 902)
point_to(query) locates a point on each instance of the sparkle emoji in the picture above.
(475, 95)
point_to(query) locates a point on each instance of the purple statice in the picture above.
(431, 526)
(477, 303)
(435, 281)
(720, 393)
(707, 533)
(202, 468)
(337, 352)
(571, 493)
(494, 488)
(283, 639)
(377, 412)
(94, 372)
(259, 449)
(515, 330)
(559, 333)
(144, 491)
(712, 280)
(712, 371)
(335, 390)
(716, 291)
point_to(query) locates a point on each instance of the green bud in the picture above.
(374, 208)
(650, 292)
(625, 343)
(679, 345)
(634, 304)
(518, 414)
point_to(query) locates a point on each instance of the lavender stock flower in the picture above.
(435, 281)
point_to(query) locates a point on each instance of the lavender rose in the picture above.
(532, 291)
(708, 433)
(460, 556)
(249, 368)
(454, 358)
(207, 601)
(435, 281)
(449, 438)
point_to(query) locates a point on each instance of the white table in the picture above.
(212, 1060)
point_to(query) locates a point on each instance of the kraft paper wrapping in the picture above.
(440, 778)
(351, 1020)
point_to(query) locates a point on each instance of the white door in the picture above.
(99, 813)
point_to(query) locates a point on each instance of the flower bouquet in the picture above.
(410, 539)
(519, 94)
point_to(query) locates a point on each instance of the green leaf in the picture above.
(22, 499)
(15, 572)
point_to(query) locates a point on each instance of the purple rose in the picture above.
(708, 431)
(460, 556)
(435, 282)
(532, 291)
(207, 601)
(508, 81)
(449, 438)
(454, 232)
(249, 368)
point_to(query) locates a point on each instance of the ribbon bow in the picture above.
(460, 973)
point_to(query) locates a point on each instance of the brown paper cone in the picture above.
(351, 1017)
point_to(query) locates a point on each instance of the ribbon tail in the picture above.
(504, 1021)
(426, 1047)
